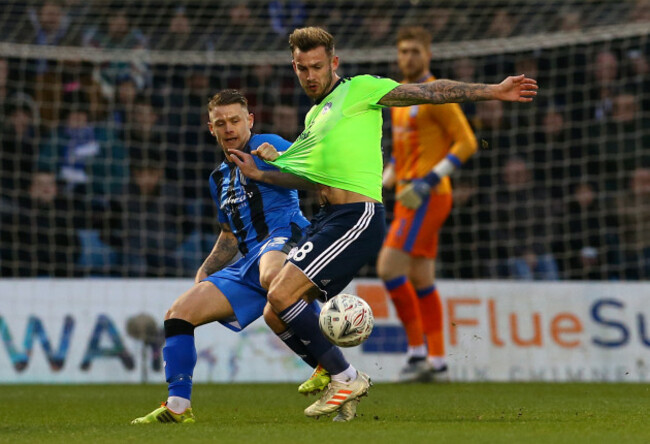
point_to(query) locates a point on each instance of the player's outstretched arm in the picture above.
(247, 165)
(512, 89)
(225, 248)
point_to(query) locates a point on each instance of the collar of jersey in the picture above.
(246, 149)
(341, 80)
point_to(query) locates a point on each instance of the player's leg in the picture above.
(271, 263)
(422, 274)
(201, 304)
(320, 377)
(393, 268)
(342, 239)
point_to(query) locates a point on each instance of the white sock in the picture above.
(419, 351)
(437, 362)
(177, 404)
(346, 376)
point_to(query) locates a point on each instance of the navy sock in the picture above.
(179, 355)
(304, 323)
(296, 345)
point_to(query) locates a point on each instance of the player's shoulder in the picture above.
(217, 174)
(278, 142)
(366, 78)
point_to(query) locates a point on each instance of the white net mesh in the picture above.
(101, 99)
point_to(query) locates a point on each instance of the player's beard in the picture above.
(327, 85)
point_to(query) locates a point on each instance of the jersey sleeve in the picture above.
(223, 219)
(453, 120)
(366, 91)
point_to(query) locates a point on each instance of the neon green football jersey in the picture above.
(341, 143)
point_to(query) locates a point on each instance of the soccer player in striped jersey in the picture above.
(428, 142)
(258, 220)
(340, 149)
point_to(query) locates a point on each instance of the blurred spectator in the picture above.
(87, 158)
(117, 33)
(147, 137)
(618, 145)
(638, 75)
(196, 155)
(286, 16)
(148, 221)
(520, 221)
(121, 109)
(634, 214)
(583, 239)
(243, 31)
(376, 29)
(51, 79)
(18, 149)
(502, 25)
(51, 26)
(463, 246)
(464, 70)
(39, 237)
(180, 35)
(285, 122)
(557, 153)
(492, 132)
(569, 19)
(641, 11)
(605, 75)
(5, 92)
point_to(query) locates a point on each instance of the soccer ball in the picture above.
(346, 320)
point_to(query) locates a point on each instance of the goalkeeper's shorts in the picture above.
(416, 231)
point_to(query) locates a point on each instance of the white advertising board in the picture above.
(75, 331)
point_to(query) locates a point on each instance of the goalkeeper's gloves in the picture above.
(417, 191)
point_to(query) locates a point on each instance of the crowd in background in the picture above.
(104, 166)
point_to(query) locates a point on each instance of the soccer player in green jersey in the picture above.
(340, 151)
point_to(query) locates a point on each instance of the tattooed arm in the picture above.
(512, 89)
(223, 251)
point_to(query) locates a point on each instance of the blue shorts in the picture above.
(340, 240)
(240, 282)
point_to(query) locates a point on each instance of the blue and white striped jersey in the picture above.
(254, 209)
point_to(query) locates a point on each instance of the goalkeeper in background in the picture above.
(340, 149)
(429, 142)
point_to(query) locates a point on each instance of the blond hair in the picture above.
(417, 33)
(227, 97)
(306, 39)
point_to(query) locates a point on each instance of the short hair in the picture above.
(417, 33)
(227, 97)
(312, 37)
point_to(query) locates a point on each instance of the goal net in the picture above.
(105, 150)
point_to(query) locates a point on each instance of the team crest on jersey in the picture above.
(326, 108)
(413, 110)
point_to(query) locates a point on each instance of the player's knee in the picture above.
(385, 272)
(267, 276)
(178, 310)
(273, 320)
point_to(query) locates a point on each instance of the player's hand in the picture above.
(516, 89)
(266, 151)
(417, 191)
(246, 164)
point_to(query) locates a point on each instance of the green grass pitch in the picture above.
(272, 413)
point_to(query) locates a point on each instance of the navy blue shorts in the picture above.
(340, 240)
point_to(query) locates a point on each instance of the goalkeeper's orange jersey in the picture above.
(424, 134)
